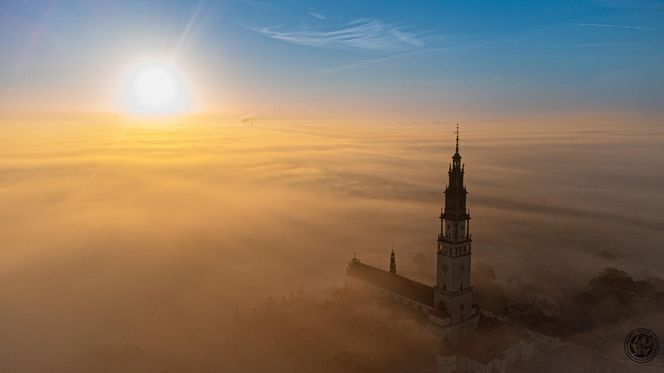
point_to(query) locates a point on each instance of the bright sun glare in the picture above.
(154, 89)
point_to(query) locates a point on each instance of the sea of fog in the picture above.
(151, 235)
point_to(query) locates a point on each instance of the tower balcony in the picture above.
(442, 238)
(455, 215)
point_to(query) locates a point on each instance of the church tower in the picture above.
(453, 292)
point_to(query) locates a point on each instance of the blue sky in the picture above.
(414, 59)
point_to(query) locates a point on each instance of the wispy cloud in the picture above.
(365, 34)
(317, 15)
(523, 82)
(603, 25)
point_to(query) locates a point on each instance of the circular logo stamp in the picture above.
(641, 345)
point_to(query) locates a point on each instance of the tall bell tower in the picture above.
(453, 292)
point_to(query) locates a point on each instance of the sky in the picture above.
(415, 60)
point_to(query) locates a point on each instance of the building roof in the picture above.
(392, 282)
(491, 340)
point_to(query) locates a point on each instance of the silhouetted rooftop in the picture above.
(392, 282)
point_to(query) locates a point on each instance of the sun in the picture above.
(155, 88)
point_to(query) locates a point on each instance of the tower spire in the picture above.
(457, 138)
(456, 158)
(393, 263)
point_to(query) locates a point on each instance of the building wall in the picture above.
(453, 288)
(445, 329)
(454, 231)
(453, 267)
